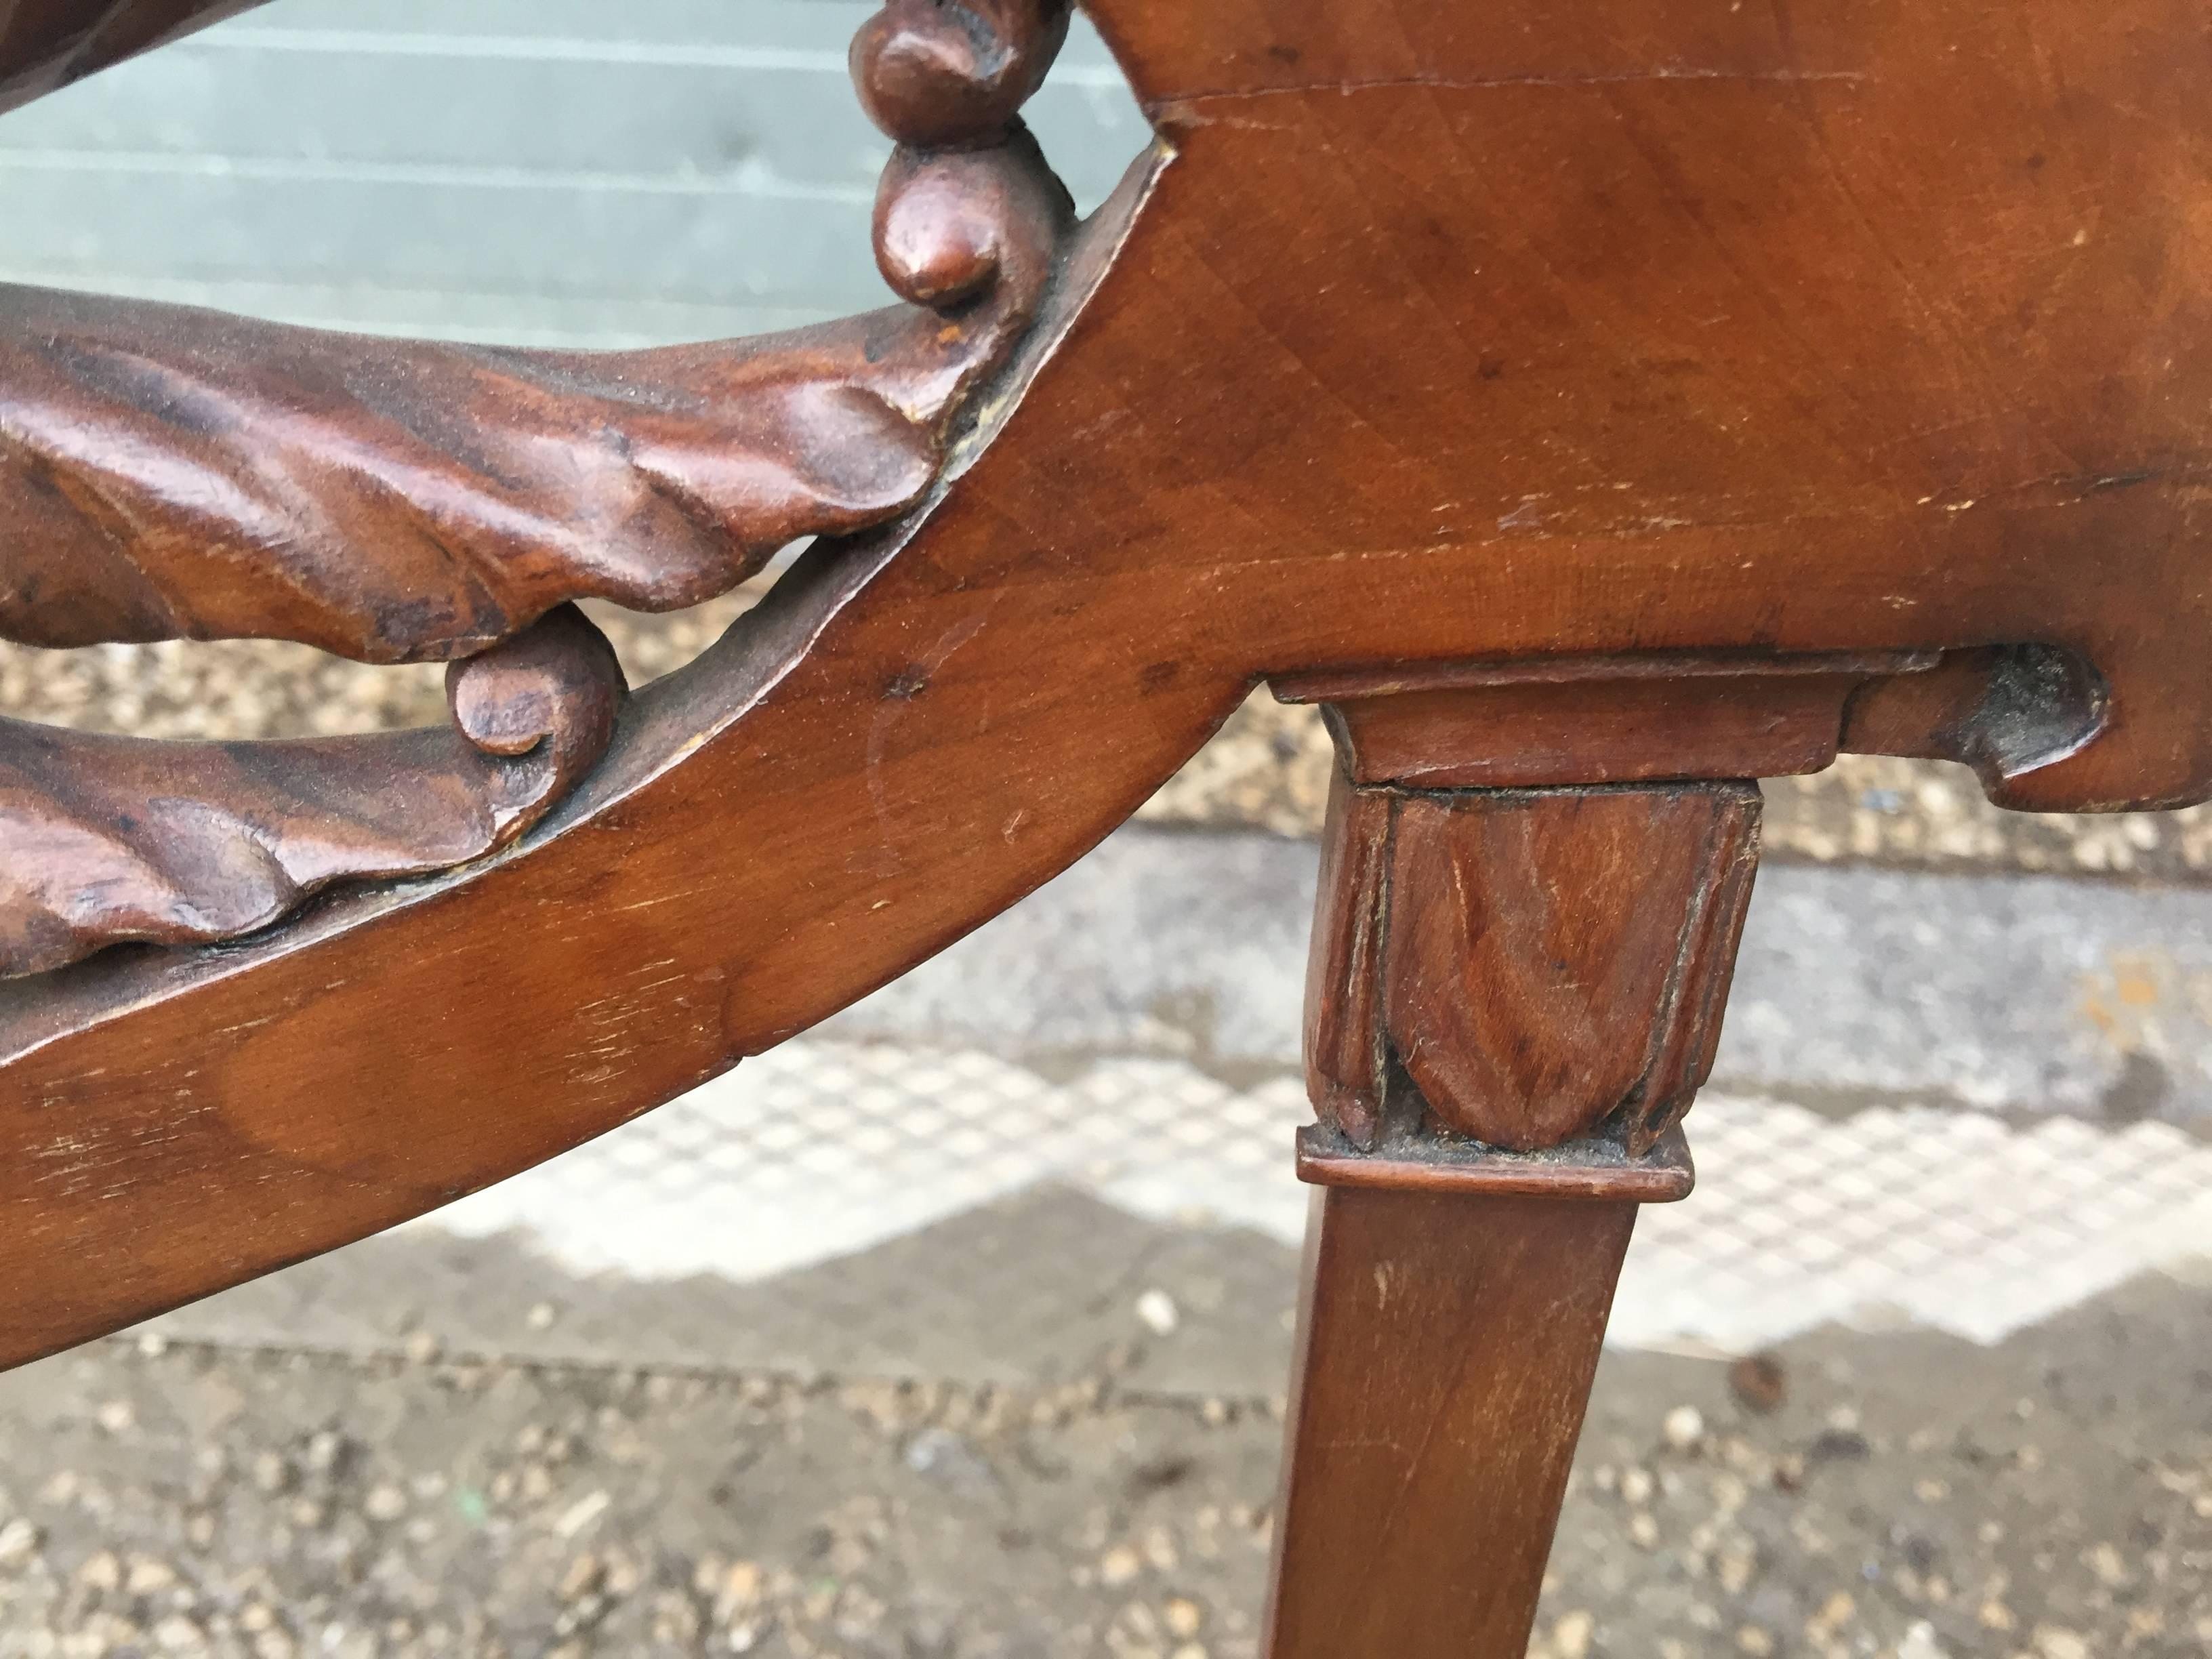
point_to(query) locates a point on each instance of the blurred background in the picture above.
(960, 1325)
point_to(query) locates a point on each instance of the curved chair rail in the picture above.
(1346, 379)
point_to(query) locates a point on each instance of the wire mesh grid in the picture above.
(1910, 1215)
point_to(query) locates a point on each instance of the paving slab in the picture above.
(2012, 993)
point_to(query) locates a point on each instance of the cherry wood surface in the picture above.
(1607, 719)
(1344, 1038)
(1443, 1365)
(1430, 333)
(1537, 963)
(1514, 996)
(167, 473)
(1560, 957)
(170, 472)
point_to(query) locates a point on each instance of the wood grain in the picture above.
(113, 839)
(1345, 1051)
(167, 473)
(1556, 957)
(1444, 1356)
(1603, 720)
(1532, 964)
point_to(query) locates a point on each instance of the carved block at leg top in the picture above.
(1533, 964)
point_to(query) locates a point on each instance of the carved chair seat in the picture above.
(1593, 409)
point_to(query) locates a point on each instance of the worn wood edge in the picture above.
(1598, 1170)
(1390, 679)
(2128, 764)
(666, 724)
(1341, 1038)
(1688, 1031)
(183, 1231)
(2013, 714)
(1221, 672)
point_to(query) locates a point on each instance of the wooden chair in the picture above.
(1593, 408)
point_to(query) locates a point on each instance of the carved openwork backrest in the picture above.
(168, 473)
(1544, 415)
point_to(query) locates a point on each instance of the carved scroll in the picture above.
(167, 473)
(950, 76)
(113, 838)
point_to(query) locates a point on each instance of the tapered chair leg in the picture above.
(1514, 996)
(1445, 1351)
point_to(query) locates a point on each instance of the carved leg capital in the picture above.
(1523, 968)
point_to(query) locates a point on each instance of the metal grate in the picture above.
(1936, 1217)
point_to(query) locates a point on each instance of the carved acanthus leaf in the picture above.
(167, 473)
(112, 838)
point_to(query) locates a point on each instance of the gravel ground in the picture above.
(1268, 767)
(1899, 1495)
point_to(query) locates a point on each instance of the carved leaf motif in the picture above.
(1558, 956)
(167, 473)
(114, 838)
(1539, 962)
